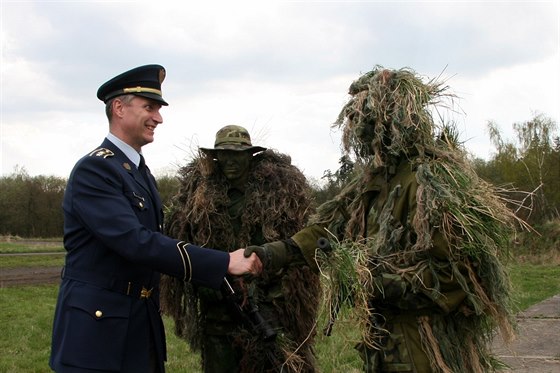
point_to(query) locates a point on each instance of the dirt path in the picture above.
(29, 276)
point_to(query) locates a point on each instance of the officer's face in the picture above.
(140, 117)
(234, 164)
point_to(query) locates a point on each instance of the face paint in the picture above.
(234, 164)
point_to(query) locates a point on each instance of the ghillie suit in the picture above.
(275, 205)
(418, 238)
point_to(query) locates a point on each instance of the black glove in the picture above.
(273, 255)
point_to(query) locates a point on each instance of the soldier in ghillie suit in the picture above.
(233, 196)
(417, 238)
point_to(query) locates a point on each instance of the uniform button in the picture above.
(141, 205)
(98, 314)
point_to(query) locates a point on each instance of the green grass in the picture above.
(179, 356)
(26, 322)
(13, 247)
(533, 283)
(32, 261)
(22, 246)
(336, 353)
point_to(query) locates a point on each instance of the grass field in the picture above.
(35, 246)
(26, 321)
(29, 247)
(32, 261)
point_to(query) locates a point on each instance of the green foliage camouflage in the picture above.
(388, 124)
(277, 204)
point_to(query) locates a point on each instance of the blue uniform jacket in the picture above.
(107, 313)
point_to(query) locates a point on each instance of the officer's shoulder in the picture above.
(103, 153)
(98, 158)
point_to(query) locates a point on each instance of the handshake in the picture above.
(274, 255)
(278, 254)
(269, 257)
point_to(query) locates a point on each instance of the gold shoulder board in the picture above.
(101, 152)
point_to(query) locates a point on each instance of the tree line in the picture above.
(31, 206)
(527, 169)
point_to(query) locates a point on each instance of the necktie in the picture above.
(154, 197)
(144, 170)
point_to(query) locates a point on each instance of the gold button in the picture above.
(141, 205)
(98, 314)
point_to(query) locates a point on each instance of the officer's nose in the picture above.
(157, 117)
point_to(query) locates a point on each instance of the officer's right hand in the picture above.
(240, 264)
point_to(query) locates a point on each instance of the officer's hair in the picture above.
(126, 99)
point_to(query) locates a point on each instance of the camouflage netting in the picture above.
(277, 201)
(394, 105)
(386, 123)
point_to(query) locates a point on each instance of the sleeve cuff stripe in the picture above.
(182, 247)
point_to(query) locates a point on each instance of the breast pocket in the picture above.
(96, 325)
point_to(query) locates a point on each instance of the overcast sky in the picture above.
(280, 68)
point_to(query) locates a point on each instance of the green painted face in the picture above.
(234, 164)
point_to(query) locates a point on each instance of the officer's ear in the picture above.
(117, 107)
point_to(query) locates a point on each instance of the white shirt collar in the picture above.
(128, 150)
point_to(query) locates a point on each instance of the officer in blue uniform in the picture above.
(107, 317)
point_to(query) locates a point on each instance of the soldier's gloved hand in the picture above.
(273, 255)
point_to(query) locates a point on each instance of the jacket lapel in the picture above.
(132, 170)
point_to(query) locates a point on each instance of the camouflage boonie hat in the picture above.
(233, 137)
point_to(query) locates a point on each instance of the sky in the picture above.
(281, 69)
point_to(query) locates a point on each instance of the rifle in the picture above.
(247, 312)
